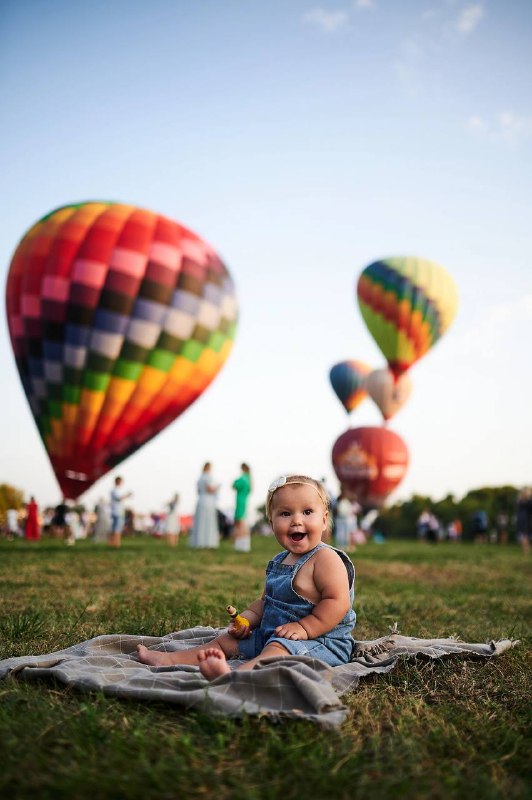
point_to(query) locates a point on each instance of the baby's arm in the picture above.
(253, 613)
(332, 583)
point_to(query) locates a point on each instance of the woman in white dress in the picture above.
(205, 528)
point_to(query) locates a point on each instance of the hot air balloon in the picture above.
(388, 393)
(369, 463)
(119, 319)
(407, 305)
(347, 379)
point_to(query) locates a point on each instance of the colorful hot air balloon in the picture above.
(388, 393)
(407, 305)
(369, 463)
(119, 319)
(347, 379)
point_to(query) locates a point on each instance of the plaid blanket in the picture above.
(294, 686)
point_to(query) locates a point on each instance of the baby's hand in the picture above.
(292, 630)
(238, 632)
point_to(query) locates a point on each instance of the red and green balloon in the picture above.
(119, 319)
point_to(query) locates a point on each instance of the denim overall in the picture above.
(282, 604)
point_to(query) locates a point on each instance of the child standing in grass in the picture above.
(306, 606)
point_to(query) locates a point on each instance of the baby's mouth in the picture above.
(297, 537)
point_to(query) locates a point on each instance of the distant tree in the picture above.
(10, 497)
(399, 521)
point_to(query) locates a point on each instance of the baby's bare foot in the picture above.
(153, 657)
(212, 663)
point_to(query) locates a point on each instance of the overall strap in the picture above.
(303, 560)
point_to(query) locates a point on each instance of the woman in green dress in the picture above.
(242, 486)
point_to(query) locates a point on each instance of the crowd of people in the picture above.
(111, 518)
(351, 525)
(480, 528)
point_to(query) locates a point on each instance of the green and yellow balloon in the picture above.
(407, 304)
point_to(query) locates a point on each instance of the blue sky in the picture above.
(303, 141)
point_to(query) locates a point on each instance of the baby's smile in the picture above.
(297, 537)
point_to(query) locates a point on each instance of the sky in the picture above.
(303, 140)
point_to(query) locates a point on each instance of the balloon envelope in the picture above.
(347, 379)
(119, 319)
(369, 463)
(407, 305)
(388, 393)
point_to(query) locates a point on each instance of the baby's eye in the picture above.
(284, 513)
(308, 511)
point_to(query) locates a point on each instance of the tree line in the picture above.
(400, 520)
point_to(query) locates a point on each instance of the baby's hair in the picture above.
(301, 480)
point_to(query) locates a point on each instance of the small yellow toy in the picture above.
(240, 622)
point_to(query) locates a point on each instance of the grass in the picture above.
(444, 729)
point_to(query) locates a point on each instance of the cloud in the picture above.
(507, 126)
(470, 16)
(514, 128)
(328, 21)
(364, 4)
(477, 124)
(407, 66)
(494, 327)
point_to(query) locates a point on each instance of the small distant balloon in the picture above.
(370, 463)
(119, 319)
(389, 394)
(348, 381)
(407, 305)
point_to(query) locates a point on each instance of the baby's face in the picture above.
(299, 517)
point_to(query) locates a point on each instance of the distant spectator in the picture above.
(454, 530)
(12, 522)
(73, 526)
(59, 521)
(47, 517)
(480, 525)
(346, 522)
(242, 487)
(32, 530)
(102, 522)
(205, 531)
(422, 525)
(171, 523)
(433, 528)
(524, 519)
(501, 524)
(114, 538)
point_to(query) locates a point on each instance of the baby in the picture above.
(306, 606)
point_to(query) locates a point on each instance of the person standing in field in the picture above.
(117, 514)
(242, 487)
(12, 522)
(32, 530)
(59, 522)
(524, 519)
(205, 531)
(346, 521)
(171, 523)
(102, 521)
(306, 607)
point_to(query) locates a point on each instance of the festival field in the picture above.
(445, 729)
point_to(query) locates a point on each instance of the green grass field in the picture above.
(445, 729)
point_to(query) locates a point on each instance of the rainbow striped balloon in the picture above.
(407, 305)
(119, 319)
